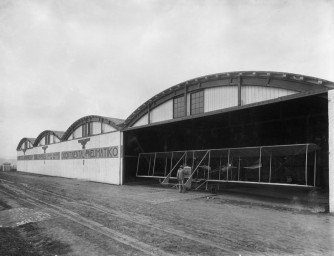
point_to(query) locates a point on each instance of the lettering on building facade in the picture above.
(106, 152)
(47, 156)
(26, 157)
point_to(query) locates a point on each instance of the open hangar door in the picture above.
(295, 121)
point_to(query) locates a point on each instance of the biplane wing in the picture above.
(207, 165)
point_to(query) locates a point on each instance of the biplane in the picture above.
(288, 165)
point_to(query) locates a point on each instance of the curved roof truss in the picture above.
(58, 134)
(23, 140)
(114, 122)
(289, 81)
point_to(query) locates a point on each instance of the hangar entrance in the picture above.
(295, 121)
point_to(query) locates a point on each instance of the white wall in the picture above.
(331, 148)
(77, 133)
(96, 128)
(220, 98)
(42, 141)
(107, 170)
(141, 121)
(162, 112)
(252, 94)
(108, 128)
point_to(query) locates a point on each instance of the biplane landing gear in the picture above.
(213, 189)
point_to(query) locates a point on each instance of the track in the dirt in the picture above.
(95, 226)
(21, 189)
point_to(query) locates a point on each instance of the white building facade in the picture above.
(90, 149)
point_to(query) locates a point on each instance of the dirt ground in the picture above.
(42, 215)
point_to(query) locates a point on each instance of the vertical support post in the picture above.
(271, 155)
(330, 130)
(231, 173)
(228, 163)
(239, 169)
(315, 168)
(149, 114)
(155, 157)
(171, 162)
(185, 100)
(306, 151)
(138, 164)
(149, 167)
(208, 170)
(239, 90)
(197, 173)
(220, 166)
(209, 162)
(165, 166)
(260, 164)
(192, 167)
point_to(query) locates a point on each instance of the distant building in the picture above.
(6, 167)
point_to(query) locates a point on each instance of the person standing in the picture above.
(180, 178)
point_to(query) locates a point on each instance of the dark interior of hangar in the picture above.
(303, 120)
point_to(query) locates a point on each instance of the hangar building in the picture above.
(265, 117)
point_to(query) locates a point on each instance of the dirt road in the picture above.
(42, 215)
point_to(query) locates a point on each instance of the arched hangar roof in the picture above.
(114, 122)
(31, 140)
(289, 81)
(58, 134)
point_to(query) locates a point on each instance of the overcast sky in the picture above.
(61, 60)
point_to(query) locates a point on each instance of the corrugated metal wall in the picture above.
(105, 170)
(162, 112)
(220, 98)
(252, 94)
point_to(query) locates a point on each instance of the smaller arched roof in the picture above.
(31, 140)
(114, 122)
(58, 134)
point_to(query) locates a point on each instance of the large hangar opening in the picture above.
(226, 121)
(295, 121)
